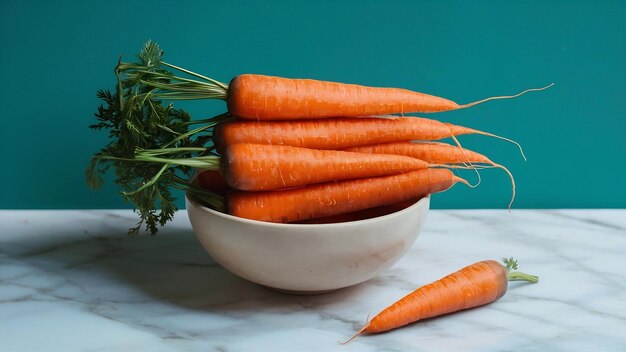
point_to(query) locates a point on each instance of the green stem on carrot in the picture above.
(201, 121)
(119, 86)
(152, 181)
(223, 85)
(519, 276)
(164, 84)
(187, 88)
(511, 264)
(141, 125)
(213, 121)
(211, 162)
(163, 151)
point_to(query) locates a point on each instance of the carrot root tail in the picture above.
(519, 146)
(506, 96)
(353, 336)
(512, 183)
(467, 163)
(365, 326)
(463, 181)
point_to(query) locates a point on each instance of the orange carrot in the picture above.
(435, 152)
(362, 214)
(432, 152)
(336, 133)
(213, 180)
(475, 285)
(259, 97)
(341, 197)
(257, 167)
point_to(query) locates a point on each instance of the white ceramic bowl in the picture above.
(307, 258)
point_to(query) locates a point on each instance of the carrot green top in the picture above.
(150, 72)
(511, 264)
(145, 135)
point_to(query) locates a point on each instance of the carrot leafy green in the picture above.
(136, 121)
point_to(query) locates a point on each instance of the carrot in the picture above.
(261, 97)
(474, 285)
(362, 214)
(336, 133)
(213, 180)
(435, 152)
(432, 152)
(334, 198)
(258, 167)
(154, 145)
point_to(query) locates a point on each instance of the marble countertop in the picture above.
(72, 281)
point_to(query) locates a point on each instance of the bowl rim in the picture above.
(229, 217)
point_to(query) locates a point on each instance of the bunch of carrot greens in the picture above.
(287, 150)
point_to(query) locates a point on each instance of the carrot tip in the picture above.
(507, 96)
(463, 181)
(470, 164)
(353, 336)
(519, 146)
(512, 183)
(365, 326)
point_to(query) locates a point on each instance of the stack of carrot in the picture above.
(287, 150)
(299, 150)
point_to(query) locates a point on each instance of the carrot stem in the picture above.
(210, 123)
(200, 162)
(164, 151)
(511, 264)
(152, 181)
(169, 86)
(223, 85)
(195, 122)
(519, 276)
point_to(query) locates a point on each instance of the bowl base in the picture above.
(300, 293)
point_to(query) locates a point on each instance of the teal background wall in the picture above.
(55, 55)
